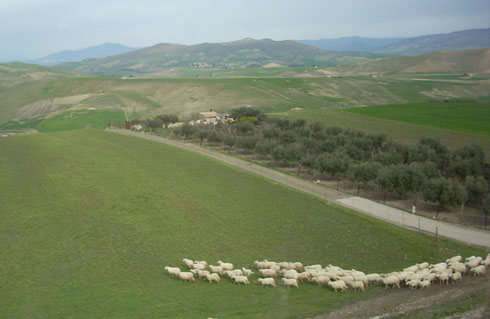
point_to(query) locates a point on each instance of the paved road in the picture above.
(369, 207)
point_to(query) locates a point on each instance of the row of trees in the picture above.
(427, 170)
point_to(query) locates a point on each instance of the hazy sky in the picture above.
(35, 28)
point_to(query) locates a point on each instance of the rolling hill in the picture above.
(351, 44)
(93, 52)
(475, 61)
(238, 54)
(467, 39)
(90, 219)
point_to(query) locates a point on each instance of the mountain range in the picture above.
(93, 52)
(352, 44)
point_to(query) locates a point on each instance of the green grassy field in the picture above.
(473, 118)
(400, 131)
(75, 120)
(90, 218)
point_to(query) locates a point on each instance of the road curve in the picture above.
(366, 206)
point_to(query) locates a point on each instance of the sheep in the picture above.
(189, 263)
(373, 278)
(472, 263)
(314, 267)
(240, 280)
(459, 267)
(443, 277)
(290, 282)
(423, 265)
(260, 264)
(439, 267)
(479, 270)
(391, 281)
(413, 283)
(338, 284)
(247, 272)
(357, 273)
(202, 262)
(291, 274)
(411, 269)
(455, 259)
(198, 266)
(216, 269)
(276, 268)
(298, 266)
(363, 278)
(357, 285)
(267, 282)
(304, 275)
(347, 279)
(186, 276)
(202, 273)
(225, 266)
(173, 271)
(213, 277)
(321, 281)
(424, 284)
(486, 261)
(268, 273)
(456, 276)
(430, 277)
(231, 273)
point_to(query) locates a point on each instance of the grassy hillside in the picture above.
(473, 118)
(462, 61)
(90, 218)
(400, 131)
(213, 56)
(75, 120)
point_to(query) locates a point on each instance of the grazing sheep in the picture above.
(347, 279)
(276, 268)
(456, 276)
(486, 262)
(202, 262)
(202, 274)
(455, 259)
(268, 273)
(304, 275)
(189, 263)
(186, 276)
(216, 269)
(459, 267)
(314, 267)
(290, 282)
(443, 277)
(363, 278)
(298, 266)
(267, 282)
(213, 277)
(439, 267)
(422, 266)
(240, 280)
(321, 280)
(424, 284)
(411, 269)
(231, 273)
(247, 272)
(338, 284)
(173, 271)
(372, 278)
(479, 270)
(413, 283)
(472, 263)
(198, 266)
(225, 266)
(291, 274)
(391, 281)
(356, 285)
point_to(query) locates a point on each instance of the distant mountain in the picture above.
(468, 39)
(475, 61)
(98, 51)
(351, 44)
(237, 54)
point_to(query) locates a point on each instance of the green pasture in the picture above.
(90, 218)
(78, 119)
(473, 118)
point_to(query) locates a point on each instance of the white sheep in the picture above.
(298, 266)
(338, 284)
(456, 276)
(424, 284)
(347, 279)
(372, 278)
(479, 270)
(202, 262)
(202, 273)
(473, 262)
(198, 266)
(276, 268)
(289, 282)
(443, 277)
(314, 267)
(455, 259)
(391, 281)
(321, 280)
(411, 269)
(459, 267)
(186, 276)
(189, 263)
(291, 274)
(240, 280)
(216, 269)
(260, 264)
(247, 272)
(225, 266)
(423, 265)
(267, 282)
(286, 265)
(304, 275)
(173, 271)
(486, 262)
(268, 273)
(414, 283)
(231, 273)
(357, 285)
(213, 277)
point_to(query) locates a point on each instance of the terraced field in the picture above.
(90, 218)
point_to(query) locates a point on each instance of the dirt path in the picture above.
(386, 213)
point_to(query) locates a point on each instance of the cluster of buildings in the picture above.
(206, 118)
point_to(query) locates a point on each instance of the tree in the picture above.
(245, 111)
(363, 173)
(271, 133)
(333, 164)
(476, 187)
(288, 137)
(229, 141)
(202, 136)
(244, 127)
(294, 153)
(486, 208)
(188, 130)
(445, 192)
(246, 142)
(215, 137)
(264, 147)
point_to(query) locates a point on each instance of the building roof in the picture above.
(208, 114)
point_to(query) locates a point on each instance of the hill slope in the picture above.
(93, 52)
(467, 39)
(90, 219)
(351, 44)
(237, 54)
(462, 61)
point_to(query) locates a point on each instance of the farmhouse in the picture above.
(209, 117)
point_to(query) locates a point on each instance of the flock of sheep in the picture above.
(293, 273)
